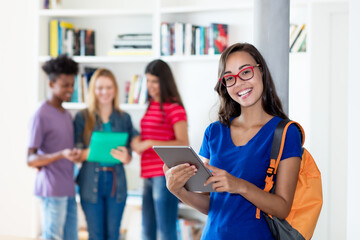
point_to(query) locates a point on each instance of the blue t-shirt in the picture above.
(231, 216)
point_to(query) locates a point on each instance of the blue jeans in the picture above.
(104, 217)
(159, 210)
(59, 218)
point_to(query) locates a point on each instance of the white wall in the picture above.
(328, 48)
(17, 42)
(353, 196)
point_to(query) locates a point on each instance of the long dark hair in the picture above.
(269, 99)
(168, 89)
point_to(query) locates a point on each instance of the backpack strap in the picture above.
(277, 148)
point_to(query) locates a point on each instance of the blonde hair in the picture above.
(92, 103)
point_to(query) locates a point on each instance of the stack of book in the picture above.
(297, 37)
(132, 44)
(65, 39)
(188, 39)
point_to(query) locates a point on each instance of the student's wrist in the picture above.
(59, 155)
(242, 187)
(84, 154)
(180, 192)
(150, 144)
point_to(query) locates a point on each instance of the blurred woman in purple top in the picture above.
(51, 150)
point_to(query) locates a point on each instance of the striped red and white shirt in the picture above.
(158, 125)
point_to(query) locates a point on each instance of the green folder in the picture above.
(101, 144)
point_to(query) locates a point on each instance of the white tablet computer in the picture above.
(175, 155)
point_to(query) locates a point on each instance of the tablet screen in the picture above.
(175, 155)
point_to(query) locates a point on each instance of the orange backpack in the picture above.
(308, 198)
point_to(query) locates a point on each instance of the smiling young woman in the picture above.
(237, 151)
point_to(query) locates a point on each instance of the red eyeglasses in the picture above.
(245, 75)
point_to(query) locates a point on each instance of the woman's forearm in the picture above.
(199, 201)
(36, 160)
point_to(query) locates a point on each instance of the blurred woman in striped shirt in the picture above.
(164, 123)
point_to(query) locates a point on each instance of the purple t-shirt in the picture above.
(53, 131)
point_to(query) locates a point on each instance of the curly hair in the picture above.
(60, 65)
(270, 101)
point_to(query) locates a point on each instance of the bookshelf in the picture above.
(111, 18)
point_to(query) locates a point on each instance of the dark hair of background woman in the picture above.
(168, 89)
(270, 101)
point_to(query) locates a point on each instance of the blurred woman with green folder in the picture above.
(103, 189)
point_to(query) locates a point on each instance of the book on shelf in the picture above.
(54, 38)
(84, 42)
(46, 4)
(197, 40)
(75, 95)
(127, 88)
(291, 31)
(143, 94)
(219, 37)
(89, 42)
(132, 89)
(188, 39)
(88, 72)
(52, 4)
(136, 91)
(201, 40)
(300, 43)
(77, 42)
(178, 38)
(294, 34)
(165, 39)
(78, 95)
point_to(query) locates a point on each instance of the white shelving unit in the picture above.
(110, 18)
